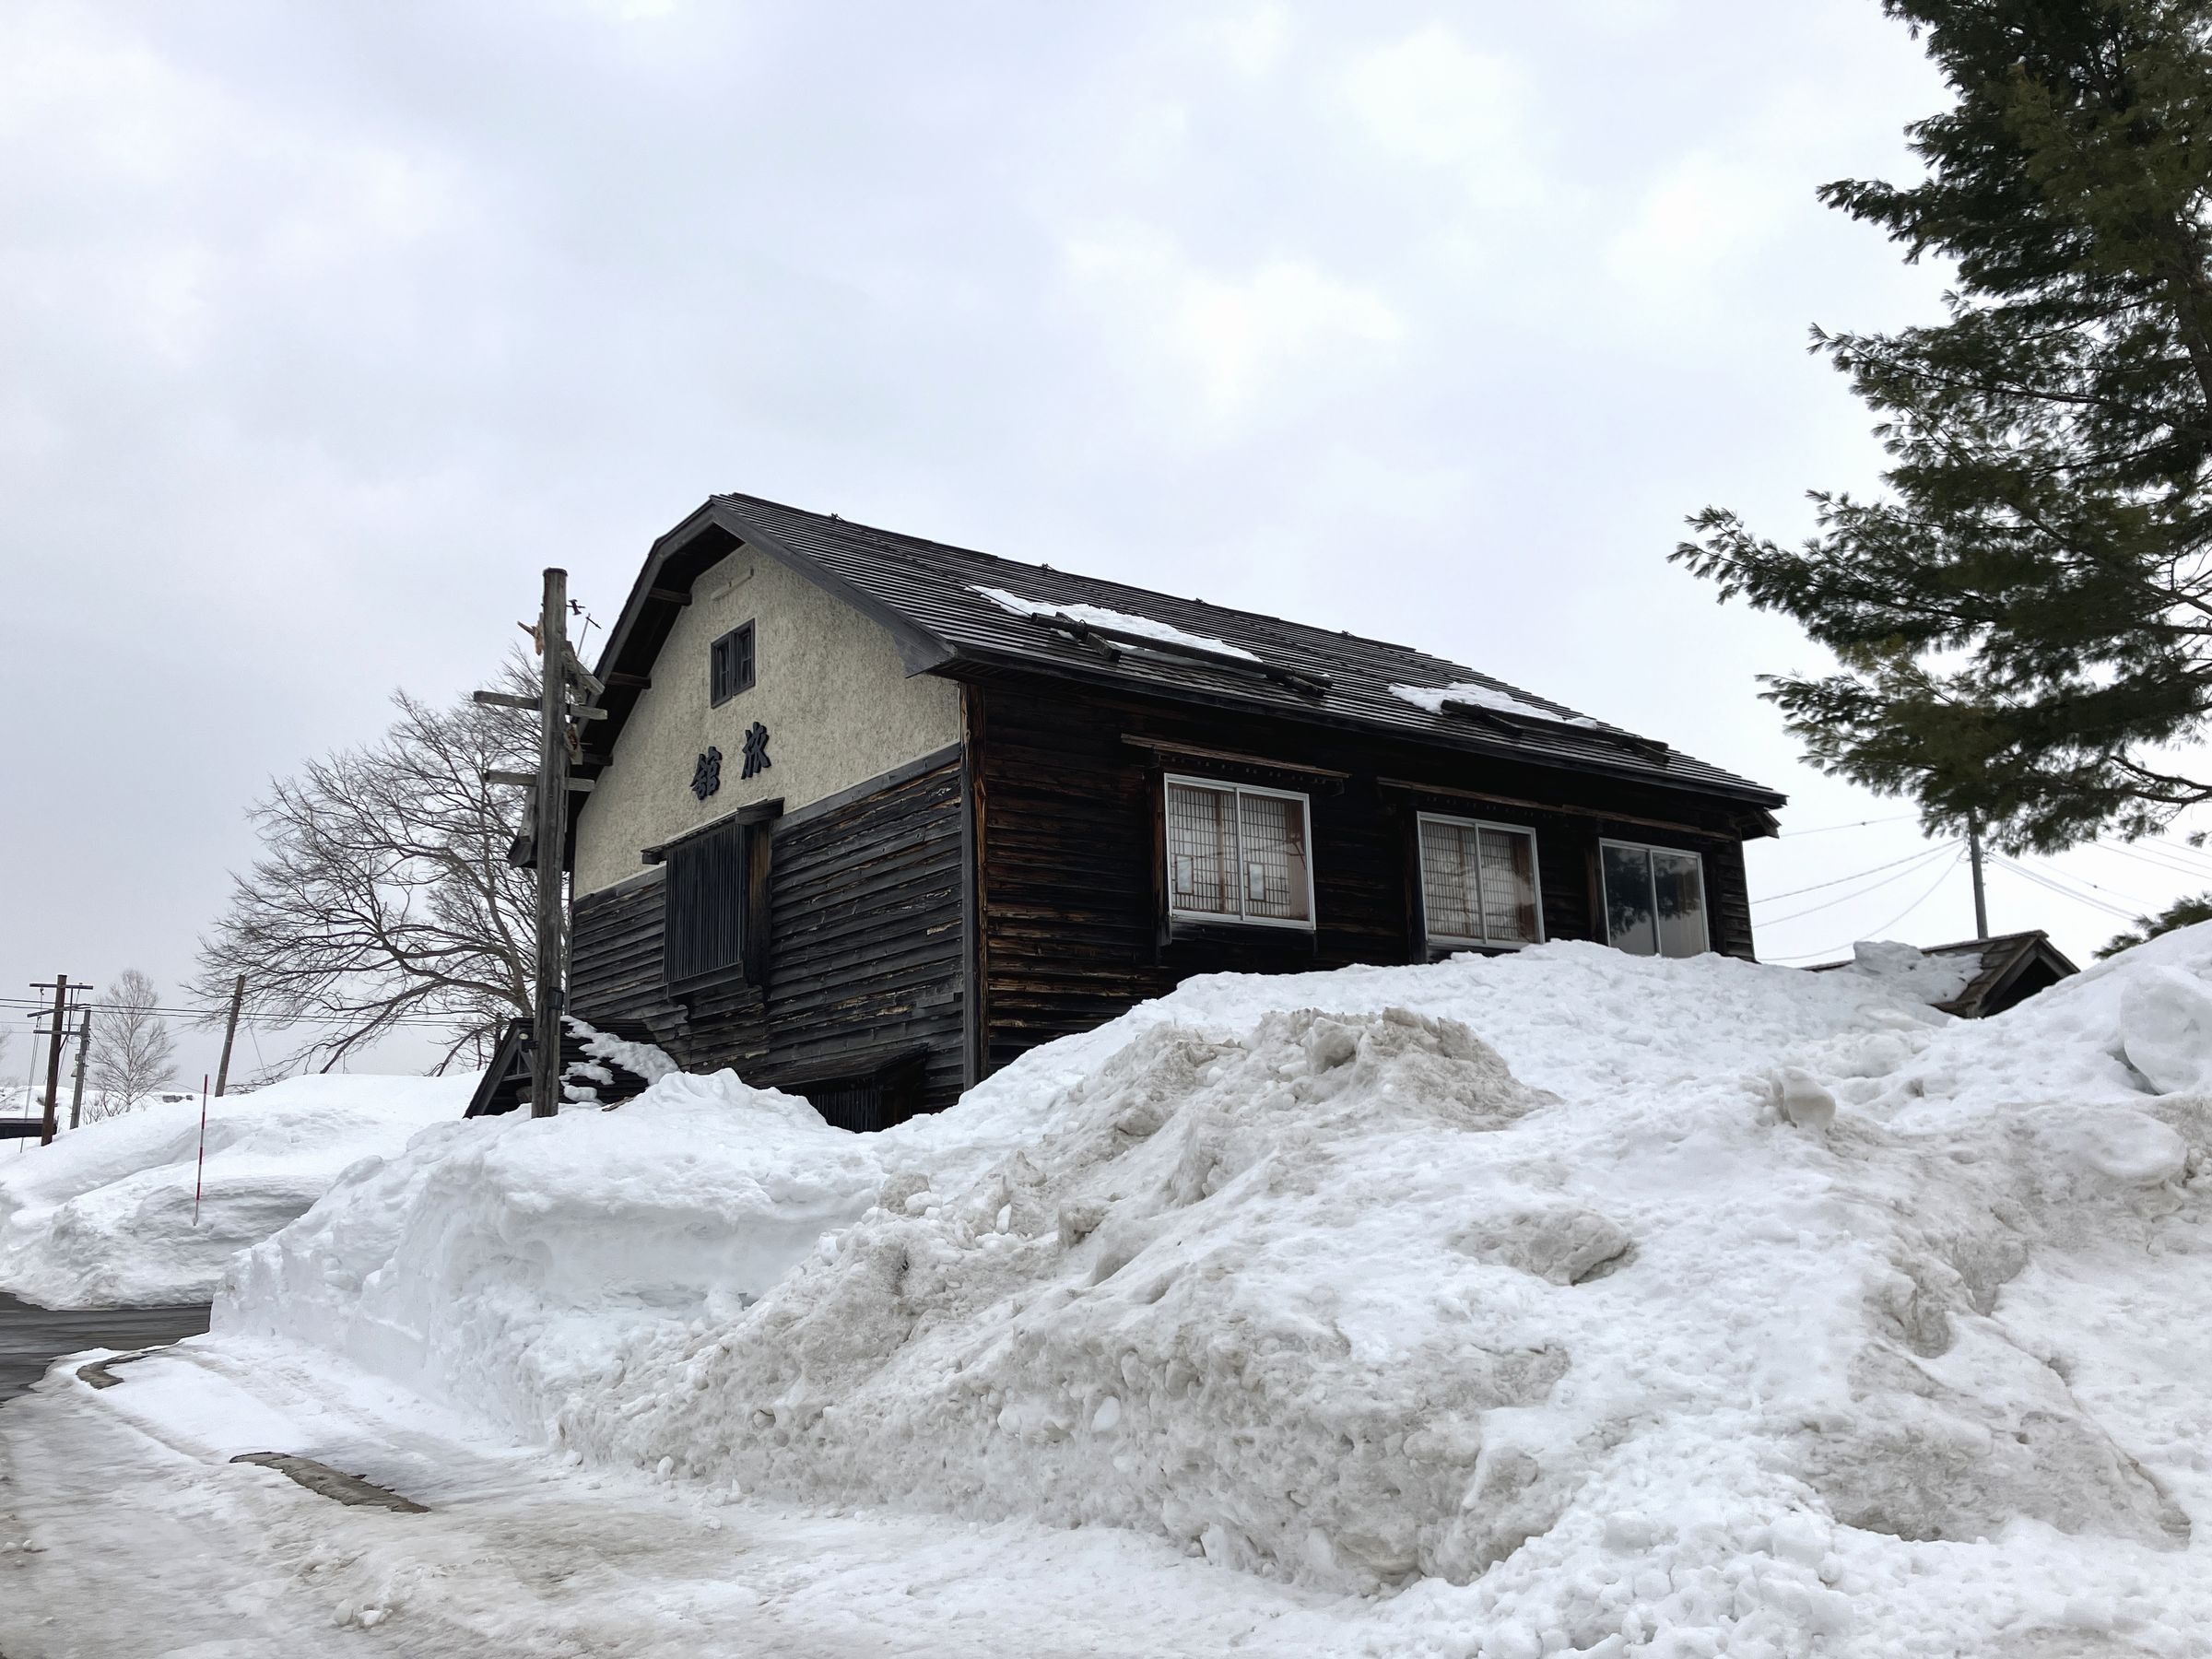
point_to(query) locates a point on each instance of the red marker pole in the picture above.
(199, 1173)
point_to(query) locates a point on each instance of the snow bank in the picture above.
(1585, 1301)
(505, 1262)
(104, 1217)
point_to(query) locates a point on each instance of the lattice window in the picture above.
(1240, 854)
(1479, 883)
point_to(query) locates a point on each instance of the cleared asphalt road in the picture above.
(32, 1338)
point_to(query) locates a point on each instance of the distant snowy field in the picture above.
(104, 1217)
(1564, 1301)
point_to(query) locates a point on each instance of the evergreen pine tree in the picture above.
(2182, 913)
(2024, 623)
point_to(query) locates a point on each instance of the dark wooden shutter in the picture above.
(730, 664)
(704, 930)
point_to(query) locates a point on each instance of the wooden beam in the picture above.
(1554, 807)
(668, 595)
(639, 682)
(1191, 751)
(504, 700)
(758, 812)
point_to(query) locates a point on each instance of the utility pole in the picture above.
(222, 1070)
(552, 845)
(550, 787)
(54, 1057)
(1973, 853)
(77, 1089)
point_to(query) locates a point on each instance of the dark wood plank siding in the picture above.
(863, 964)
(1072, 927)
(1729, 893)
(614, 959)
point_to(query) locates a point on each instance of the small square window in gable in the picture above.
(730, 664)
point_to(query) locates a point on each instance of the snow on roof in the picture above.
(1100, 616)
(1434, 698)
(1930, 979)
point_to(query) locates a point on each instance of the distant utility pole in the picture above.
(550, 786)
(1973, 853)
(77, 1089)
(48, 1126)
(222, 1070)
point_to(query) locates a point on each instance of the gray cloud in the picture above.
(327, 326)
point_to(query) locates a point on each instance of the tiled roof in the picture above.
(928, 594)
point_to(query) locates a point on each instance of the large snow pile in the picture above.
(104, 1217)
(1585, 1301)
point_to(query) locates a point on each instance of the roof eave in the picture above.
(920, 649)
(1762, 801)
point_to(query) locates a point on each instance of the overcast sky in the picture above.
(326, 327)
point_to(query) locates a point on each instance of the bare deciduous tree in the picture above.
(383, 899)
(132, 1053)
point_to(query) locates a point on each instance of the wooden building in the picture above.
(872, 816)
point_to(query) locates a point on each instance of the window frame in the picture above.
(1169, 781)
(717, 694)
(1536, 870)
(1604, 897)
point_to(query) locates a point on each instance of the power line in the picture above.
(1875, 870)
(1934, 888)
(25, 1005)
(1918, 862)
(2042, 880)
(2167, 857)
(1861, 824)
(2085, 881)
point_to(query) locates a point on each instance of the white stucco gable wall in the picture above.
(828, 683)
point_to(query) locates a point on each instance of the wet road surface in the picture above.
(32, 1338)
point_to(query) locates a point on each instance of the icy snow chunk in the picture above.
(2124, 1146)
(1926, 1458)
(1802, 1098)
(2165, 1029)
(1564, 1244)
(1167, 633)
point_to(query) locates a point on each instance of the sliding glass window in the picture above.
(1654, 899)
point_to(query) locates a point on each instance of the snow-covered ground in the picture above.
(104, 1217)
(1559, 1303)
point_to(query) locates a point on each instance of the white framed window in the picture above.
(1479, 883)
(1654, 899)
(1237, 853)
